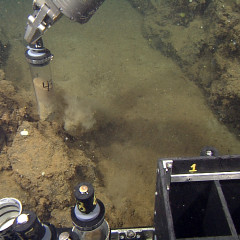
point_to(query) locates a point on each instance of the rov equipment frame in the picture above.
(198, 198)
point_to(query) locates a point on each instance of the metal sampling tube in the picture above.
(39, 58)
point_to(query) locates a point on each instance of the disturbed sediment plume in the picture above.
(78, 116)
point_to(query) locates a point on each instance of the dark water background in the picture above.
(136, 104)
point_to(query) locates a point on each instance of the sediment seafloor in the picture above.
(202, 37)
(122, 104)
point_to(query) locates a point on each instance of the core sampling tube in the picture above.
(39, 58)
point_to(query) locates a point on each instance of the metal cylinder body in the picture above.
(78, 10)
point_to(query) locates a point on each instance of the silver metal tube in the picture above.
(10, 209)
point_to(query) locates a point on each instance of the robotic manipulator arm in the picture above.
(47, 12)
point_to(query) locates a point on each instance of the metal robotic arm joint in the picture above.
(44, 15)
(47, 12)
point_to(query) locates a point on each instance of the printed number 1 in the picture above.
(193, 168)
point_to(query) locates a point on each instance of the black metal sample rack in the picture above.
(198, 198)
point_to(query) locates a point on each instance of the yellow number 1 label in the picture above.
(193, 168)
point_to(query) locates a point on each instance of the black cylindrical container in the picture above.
(86, 200)
(88, 214)
(28, 227)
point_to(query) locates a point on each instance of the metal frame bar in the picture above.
(205, 176)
